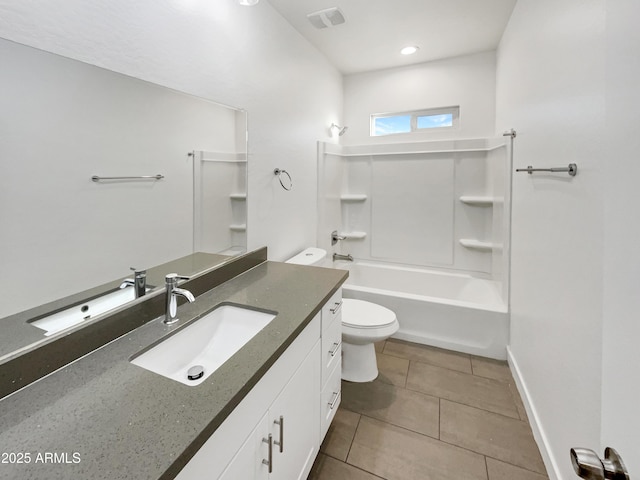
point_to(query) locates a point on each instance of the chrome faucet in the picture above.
(139, 282)
(335, 238)
(338, 256)
(171, 282)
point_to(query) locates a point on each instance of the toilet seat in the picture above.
(366, 315)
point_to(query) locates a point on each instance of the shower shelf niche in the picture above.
(482, 201)
(238, 196)
(353, 197)
(238, 227)
(479, 245)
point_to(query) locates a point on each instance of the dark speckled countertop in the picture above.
(106, 418)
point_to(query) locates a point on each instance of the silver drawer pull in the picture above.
(335, 349)
(269, 462)
(281, 442)
(335, 309)
(332, 403)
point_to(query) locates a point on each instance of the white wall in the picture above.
(621, 170)
(550, 88)
(250, 58)
(467, 81)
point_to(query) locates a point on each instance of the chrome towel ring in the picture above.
(278, 172)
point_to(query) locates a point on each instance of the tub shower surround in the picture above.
(427, 224)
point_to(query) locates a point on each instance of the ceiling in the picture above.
(376, 30)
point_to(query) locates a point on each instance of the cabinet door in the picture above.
(248, 463)
(294, 422)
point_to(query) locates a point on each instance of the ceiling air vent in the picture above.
(329, 17)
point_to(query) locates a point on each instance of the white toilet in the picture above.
(363, 324)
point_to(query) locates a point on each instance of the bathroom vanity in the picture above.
(276, 431)
(104, 417)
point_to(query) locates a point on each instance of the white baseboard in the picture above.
(539, 435)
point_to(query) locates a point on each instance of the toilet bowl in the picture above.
(363, 324)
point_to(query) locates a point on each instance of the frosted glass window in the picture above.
(416, 121)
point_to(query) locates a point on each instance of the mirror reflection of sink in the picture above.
(84, 311)
(196, 351)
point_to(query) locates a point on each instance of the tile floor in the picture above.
(431, 414)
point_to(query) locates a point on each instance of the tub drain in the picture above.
(195, 372)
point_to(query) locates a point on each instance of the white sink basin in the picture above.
(204, 345)
(84, 311)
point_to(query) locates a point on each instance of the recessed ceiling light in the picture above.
(248, 2)
(409, 50)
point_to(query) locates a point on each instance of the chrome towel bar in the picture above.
(96, 178)
(572, 169)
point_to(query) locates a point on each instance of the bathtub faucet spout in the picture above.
(338, 256)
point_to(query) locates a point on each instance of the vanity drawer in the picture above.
(331, 397)
(331, 348)
(332, 309)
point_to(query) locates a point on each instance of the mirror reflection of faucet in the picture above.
(171, 283)
(139, 282)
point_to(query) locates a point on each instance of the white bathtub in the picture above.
(448, 310)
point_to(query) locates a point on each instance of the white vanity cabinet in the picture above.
(288, 410)
(331, 361)
(289, 429)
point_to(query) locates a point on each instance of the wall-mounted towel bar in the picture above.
(96, 178)
(572, 169)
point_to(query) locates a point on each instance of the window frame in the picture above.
(453, 110)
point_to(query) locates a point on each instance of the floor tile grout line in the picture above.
(346, 460)
(402, 388)
(431, 348)
(366, 471)
(444, 442)
(355, 432)
(517, 466)
(351, 465)
(397, 426)
(489, 456)
(433, 438)
(467, 405)
(439, 417)
(486, 466)
(427, 363)
(431, 364)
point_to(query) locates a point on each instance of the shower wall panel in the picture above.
(434, 204)
(412, 209)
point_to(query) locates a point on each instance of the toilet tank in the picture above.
(309, 256)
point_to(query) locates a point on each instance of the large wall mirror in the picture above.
(63, 122)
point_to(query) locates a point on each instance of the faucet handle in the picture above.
(174, 278)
